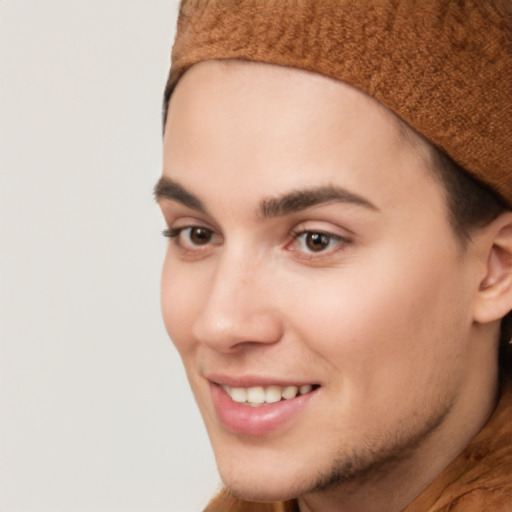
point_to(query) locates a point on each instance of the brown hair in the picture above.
(471, 204)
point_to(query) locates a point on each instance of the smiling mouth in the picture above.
(259, 396)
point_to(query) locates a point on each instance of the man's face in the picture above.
(310, 250)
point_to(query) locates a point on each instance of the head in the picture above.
(312, 245)
(321, 258)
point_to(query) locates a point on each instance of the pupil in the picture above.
(200, 236)
(317, 241)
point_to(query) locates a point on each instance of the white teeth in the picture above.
(272, 394)
(305, 389)
(290, 392)
(238, 394)
(256, 395)
(259, 395)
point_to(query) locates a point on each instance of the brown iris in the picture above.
(316, 242)
(200, 236)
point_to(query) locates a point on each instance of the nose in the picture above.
(239, 307)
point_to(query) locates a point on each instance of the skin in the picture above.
(382, 318)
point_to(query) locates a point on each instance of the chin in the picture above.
(262, 489)
(264, 479)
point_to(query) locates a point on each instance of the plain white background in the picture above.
(96, 414)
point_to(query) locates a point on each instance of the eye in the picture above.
(191, 237)
(311, 242)
(199, 235)
(316, 242)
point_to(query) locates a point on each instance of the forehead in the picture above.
(248, 92)
(269, 129)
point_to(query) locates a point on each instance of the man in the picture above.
(336, 283)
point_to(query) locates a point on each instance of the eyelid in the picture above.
(177, 222)
(177, 215)
(327, 228)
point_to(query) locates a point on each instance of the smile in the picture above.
(259, 396)
(261, 409)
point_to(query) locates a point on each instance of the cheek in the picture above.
(180, 300)
(382, 317)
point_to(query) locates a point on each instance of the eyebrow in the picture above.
(303, 199)
(291, 202)
(166, 188)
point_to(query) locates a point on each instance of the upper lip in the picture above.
(249, 381)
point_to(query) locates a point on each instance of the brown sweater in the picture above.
(478, 480)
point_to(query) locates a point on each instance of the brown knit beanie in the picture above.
(443, 66)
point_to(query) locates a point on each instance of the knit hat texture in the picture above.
(443, 66)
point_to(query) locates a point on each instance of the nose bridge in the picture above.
(238, 307)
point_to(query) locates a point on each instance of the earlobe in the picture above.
(494, 299)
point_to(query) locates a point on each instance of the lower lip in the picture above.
(256, 421)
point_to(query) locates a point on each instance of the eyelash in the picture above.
(326, 237)
(174, 233)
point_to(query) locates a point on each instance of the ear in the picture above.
(494, 296)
